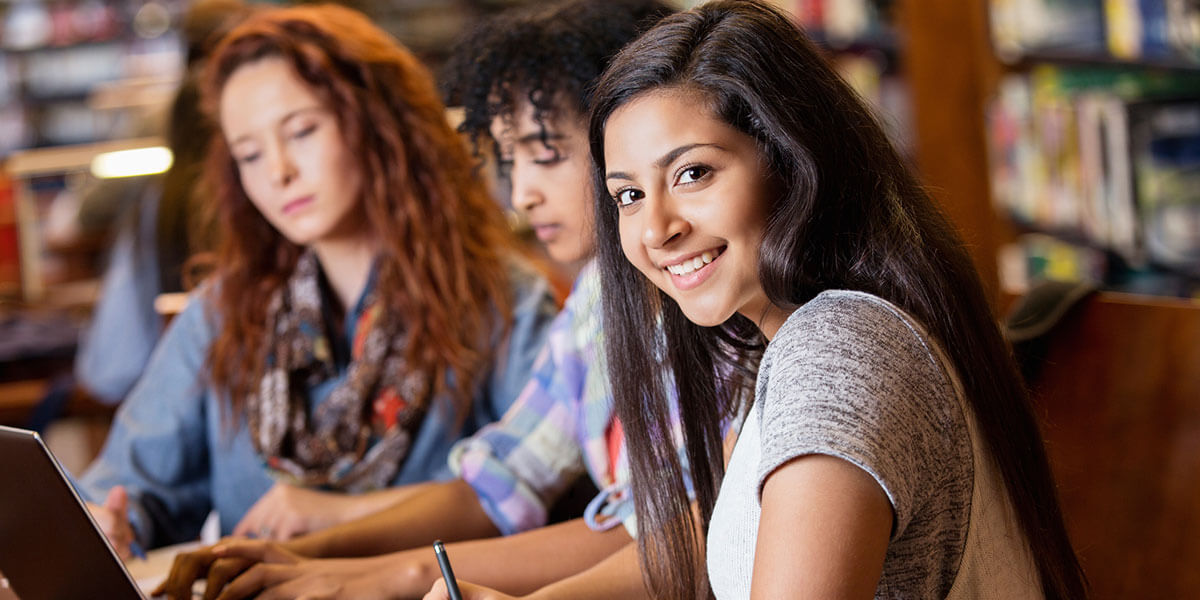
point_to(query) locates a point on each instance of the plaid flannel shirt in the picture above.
(555, 431)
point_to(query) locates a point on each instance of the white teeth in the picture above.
(690, 266)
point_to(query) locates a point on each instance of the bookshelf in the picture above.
(1095, 138)
(1118, 395)
(52, 273)
(54, 56)
(964, 83)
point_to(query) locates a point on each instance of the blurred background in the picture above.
(1061, 136)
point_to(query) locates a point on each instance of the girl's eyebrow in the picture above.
(665, 160)
(671, 156)
(289, 116)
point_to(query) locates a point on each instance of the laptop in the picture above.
(50, 548)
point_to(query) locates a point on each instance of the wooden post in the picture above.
(950, 68)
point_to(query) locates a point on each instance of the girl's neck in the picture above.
(763, 313)
(347, 266)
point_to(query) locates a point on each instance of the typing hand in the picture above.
(113, 519)
(279, 573)
(287, 511)
(204, 563)
(469, 592)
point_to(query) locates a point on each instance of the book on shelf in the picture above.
(10, 255)
(1020, 26)
(1107, 160)
(1165, 139)
(842, 23)
(1154, 31)
(1183, 27)
(1034, 257)
(1137, 29)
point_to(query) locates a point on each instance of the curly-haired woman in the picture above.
(369, 306)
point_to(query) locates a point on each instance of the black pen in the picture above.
(447, 573)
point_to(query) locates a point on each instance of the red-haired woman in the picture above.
(368, 307)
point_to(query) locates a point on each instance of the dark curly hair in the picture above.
(548, 55)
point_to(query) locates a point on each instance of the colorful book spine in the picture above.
(1155, 31)
(1109, 159)
(10, 255)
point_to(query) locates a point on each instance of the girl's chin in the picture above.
(704, 317)
(568, 256)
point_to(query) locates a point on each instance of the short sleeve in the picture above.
(852, 377)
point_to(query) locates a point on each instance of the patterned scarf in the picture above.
(358, 437)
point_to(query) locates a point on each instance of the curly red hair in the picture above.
(445, 242)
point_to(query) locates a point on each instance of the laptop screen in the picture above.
(51, 547)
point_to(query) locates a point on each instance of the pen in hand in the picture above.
(447, 573)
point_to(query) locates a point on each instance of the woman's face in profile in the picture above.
(549, 169)
(291, 155)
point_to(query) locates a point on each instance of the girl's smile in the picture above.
(692, 195)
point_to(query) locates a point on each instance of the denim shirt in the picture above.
(172, 447)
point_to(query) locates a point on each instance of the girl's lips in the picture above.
(297, 204)
(546, 233)
(695, 278)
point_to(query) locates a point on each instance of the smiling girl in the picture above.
(757, 210)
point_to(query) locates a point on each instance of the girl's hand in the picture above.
(285, 575)
(113, 519)
(469, 592)
(218, 568)
(287, 511)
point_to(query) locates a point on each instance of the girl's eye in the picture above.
(693, 174)
(246, 159)
(304, 132)
(548, 156)
(627, 196)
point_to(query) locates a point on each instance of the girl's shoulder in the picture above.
(845, 320)
(850, 352)
(852, 375)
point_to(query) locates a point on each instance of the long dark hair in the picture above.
(848, 215)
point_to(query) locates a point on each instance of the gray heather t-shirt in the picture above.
(852, 376)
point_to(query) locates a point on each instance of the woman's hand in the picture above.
(282, 574)
(287, 511)
(113, 519)
(217, 570)
(469, 592)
